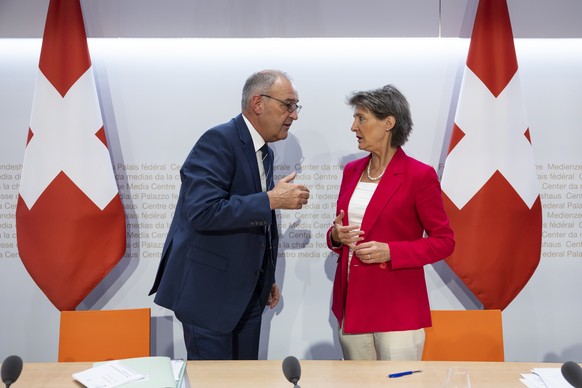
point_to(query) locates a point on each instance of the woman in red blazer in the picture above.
(390, 223)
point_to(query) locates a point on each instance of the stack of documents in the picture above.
(142, 372)
(545, 378)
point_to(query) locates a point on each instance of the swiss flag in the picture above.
(489, 181)
(70, 221)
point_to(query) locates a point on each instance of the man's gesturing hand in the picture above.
(287, 195)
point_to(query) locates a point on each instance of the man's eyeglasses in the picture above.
(291, 106)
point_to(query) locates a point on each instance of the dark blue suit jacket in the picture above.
(214, 250)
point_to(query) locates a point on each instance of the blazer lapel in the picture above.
(352, 178)
(387, 186)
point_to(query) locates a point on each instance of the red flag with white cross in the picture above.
(70, 221)
(489, 183)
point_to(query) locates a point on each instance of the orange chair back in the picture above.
(102, 335)
(464, 335)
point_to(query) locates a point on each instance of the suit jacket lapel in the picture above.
(249, 150)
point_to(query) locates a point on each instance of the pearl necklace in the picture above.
(373, 179)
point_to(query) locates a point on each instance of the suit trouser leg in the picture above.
(247, 333)
(240, 344)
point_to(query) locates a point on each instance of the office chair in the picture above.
(464, 335)
(102, 335)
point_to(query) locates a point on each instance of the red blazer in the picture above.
(392, 296)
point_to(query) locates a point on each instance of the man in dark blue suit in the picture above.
(217, 271)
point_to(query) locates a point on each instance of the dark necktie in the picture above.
(267, 166)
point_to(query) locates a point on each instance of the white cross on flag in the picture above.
(489, 181)
(70, 221)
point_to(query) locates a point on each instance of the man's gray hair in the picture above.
(260, 83)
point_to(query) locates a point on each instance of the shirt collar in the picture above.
(258, 141)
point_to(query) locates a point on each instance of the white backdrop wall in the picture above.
(159, 95)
